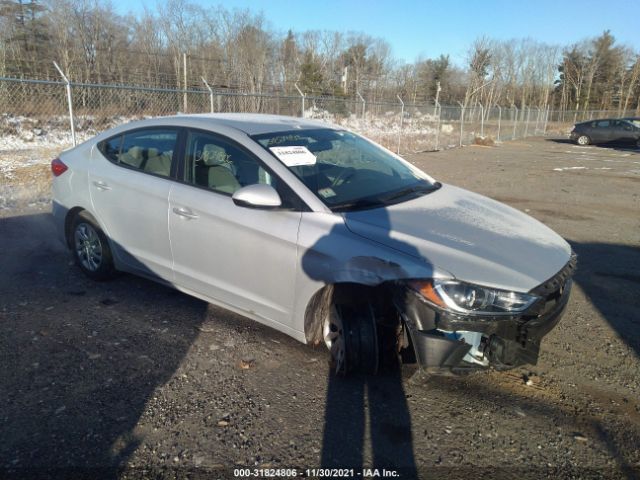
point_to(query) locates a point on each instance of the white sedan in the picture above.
(316, 232)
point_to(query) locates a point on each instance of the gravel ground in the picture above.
(132, 379)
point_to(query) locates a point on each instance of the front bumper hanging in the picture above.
(443, 341)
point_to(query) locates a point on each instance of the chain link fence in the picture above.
(36, 112)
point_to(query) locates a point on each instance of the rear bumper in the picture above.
(444, 342)
(574, 135)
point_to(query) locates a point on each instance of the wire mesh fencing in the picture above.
(30, 109)
(37, 112)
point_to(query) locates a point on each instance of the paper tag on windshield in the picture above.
(294, 156)
(326, 192)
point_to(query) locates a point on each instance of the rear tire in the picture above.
(583, 140)
(90, 248)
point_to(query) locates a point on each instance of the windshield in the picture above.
(346, 171)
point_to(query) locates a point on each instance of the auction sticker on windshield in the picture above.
(294, 156)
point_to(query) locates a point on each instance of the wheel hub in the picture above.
(88, 247)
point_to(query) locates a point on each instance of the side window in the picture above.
(603, 124)
(623, 125)
(111, 148)
(149, 150)
(220, 165)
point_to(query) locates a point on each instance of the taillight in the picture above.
(58, 167)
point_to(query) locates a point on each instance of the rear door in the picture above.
(600, 131)
(240, 257)
(129, 181)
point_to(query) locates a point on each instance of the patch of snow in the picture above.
(26, 141)
(569, 168)
(373, 126)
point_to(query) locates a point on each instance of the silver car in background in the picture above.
(318, 233)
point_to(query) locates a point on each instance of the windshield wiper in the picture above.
(382, 200)
(408, 191)
(359, 204)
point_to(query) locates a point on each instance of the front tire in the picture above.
(91, 249)
(350, 334)
(583, 140)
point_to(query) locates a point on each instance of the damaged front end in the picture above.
(455, 327)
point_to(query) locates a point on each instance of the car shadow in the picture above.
(80, 359)
(625, 147)
(608, 275)
(523, 406)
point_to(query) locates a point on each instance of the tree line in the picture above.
(178, 43)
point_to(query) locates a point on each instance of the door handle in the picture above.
(100, 185)
(185, 213)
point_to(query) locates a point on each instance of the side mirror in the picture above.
(257, 196)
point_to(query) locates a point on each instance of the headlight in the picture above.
(472, 299)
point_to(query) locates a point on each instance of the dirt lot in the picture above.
(135, 379)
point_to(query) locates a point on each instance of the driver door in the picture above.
(242, 258)
(622, 132)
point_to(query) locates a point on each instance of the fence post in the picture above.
(499, 120)
(301, 95)
(546, 119)
(461, 121)
(526, 122)
(69, 101)
(364, 104)
(184, 71)
(482, 120)
(401, 120)
(515, 122)
(439, 110)
(210, 93)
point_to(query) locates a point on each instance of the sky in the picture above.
(429, 28)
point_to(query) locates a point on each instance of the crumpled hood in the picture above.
(475, 238)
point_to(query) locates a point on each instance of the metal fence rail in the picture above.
(34, 110)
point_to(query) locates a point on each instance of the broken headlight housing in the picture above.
(470, 299)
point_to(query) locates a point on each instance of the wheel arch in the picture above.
(71, 216)
(320, 303)
(68, 223)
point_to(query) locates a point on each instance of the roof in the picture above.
(256, 123)
(609, 119)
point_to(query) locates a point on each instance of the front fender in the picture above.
(329, 253)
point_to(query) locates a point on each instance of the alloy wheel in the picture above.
(333, 333)
(88, 247)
